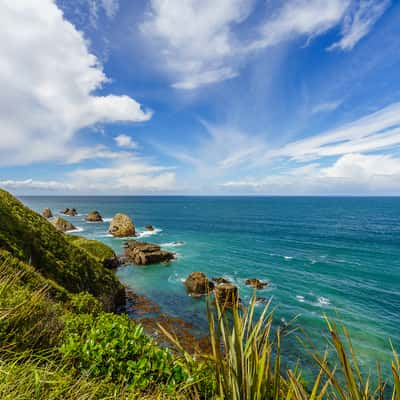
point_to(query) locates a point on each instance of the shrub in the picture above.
(85, 303)
(114, 348)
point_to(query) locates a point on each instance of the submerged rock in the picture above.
(220, 280)
(226, 295)
(94, 216)
(262, 300)
(149, 228)
(256, 283)
(69, 211)
(47, 213)
(198, 284)
(122, 226)
(142, 253)
(62, 225)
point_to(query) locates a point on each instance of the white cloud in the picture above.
(372, 132)
(326, 107)
(201, 41)
(48, 78)
(110, 7)
(359, 167)
(196, 37)
(350, 174)
(36, 185)
(301, 17)
(125, 141)
(359, 22)
(126, 175)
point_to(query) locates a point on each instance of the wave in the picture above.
(172, 244)
(323, 301)
(107, 219)
(287, 257)
(175, 278)
(77, 229)
(148, 233)
(300, 298)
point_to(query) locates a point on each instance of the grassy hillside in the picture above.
(30, 238)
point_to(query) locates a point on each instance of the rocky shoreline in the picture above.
(140, 307)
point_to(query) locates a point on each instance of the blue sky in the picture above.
(200, 97)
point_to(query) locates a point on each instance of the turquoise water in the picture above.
(334, 256)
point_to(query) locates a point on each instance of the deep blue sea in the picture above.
(323, 256)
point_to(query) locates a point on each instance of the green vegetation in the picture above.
(95, 248)
(246, 362)
(58, 340)
(30, 238)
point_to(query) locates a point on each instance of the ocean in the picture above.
(332, 256)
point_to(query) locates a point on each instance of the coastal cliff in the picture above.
(64, 262)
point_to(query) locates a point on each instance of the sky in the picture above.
(200, 97)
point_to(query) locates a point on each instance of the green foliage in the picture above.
(246, 359)
(32, 239)
(84, 303)
(249, 367)
(112, 347)
(95, 248)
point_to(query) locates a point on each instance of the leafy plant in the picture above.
(113, 347)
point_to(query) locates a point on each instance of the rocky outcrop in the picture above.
(141, 253)
(256, 283)
(69, 211)
(262, 300)
(94, 216)
(121, 226)
(198, 284)
(227, 295)
(62, 225)
(149, 228)
(47, 213)
(220, 280)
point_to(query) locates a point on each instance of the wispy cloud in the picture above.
(359, 22)
(326, 107)
(373, 132)
(202, 42)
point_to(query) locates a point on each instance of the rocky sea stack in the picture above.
(47, 213)
(70, 212)
(62, 225)
(94, 216)
(122, 226)
(142, 253)
(149, 228)
(227, 295)
(198, 284)
(256, 283)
